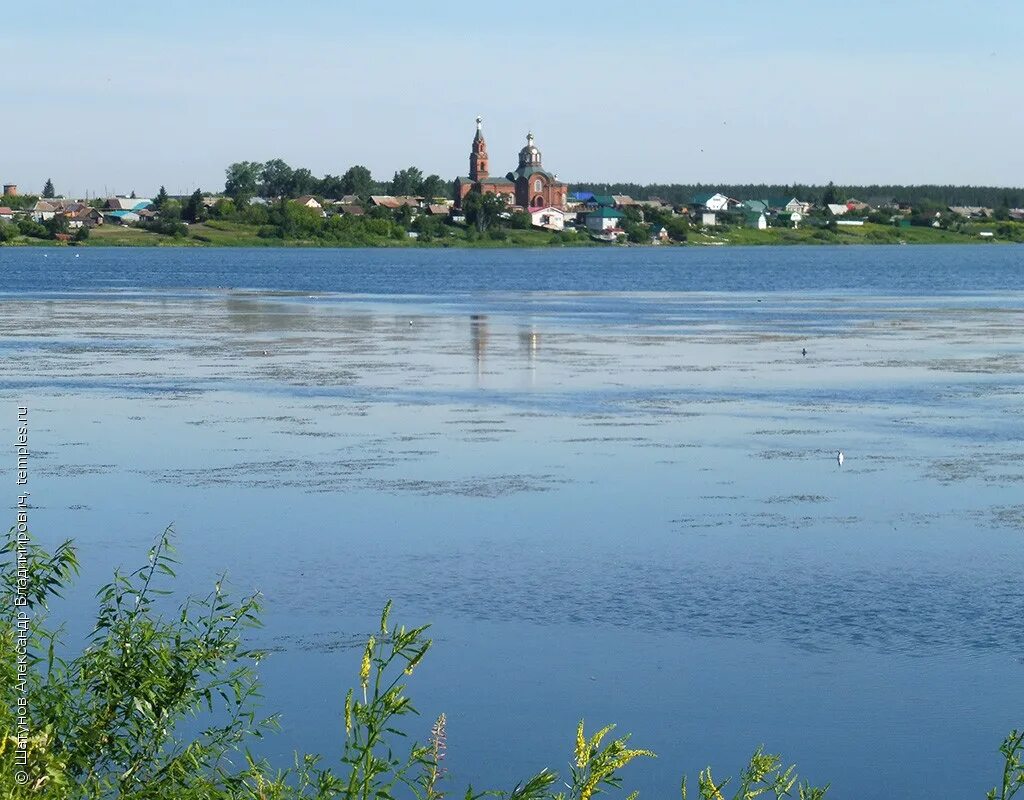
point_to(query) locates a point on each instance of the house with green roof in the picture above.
(603, 219)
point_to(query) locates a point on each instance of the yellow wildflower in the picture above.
(364, 668)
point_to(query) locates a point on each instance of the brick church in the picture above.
(529, 187)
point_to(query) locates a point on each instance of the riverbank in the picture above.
(220, 233)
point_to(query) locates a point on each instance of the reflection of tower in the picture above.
(478, 331)
(529, 340)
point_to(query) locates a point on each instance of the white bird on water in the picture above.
(840, 457)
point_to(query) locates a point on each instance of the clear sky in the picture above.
(119, 96)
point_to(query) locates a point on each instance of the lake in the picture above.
(607, 477)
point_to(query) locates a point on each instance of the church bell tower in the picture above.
(478, 157)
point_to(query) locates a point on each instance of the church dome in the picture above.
(529, 156)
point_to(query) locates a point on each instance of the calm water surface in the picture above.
(608, 478)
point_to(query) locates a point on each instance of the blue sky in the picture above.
(115, 97)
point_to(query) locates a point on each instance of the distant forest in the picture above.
(917, 196)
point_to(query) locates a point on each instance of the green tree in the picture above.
(329, 186)
(407, 181)
(633, 214)
(637, 232)
(242, 180)
(56, 225)
(277, 178)
(81, 234)
(194, 210)
(829, 195)
(434, 186)
(255, 214)
(482, 211)
(295, 221)
(48, 190)
(160, 199)
(429, 227)
(678, 228)
(303, 182)
(520, 220)
(171, 210)
(8, 232)
(357, 180)
(224, 208)
(29, 227)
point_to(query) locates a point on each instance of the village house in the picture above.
(86, 217)
(836, 209)
(603, 219)
(549, 218)
(659, 234)
(44, 210)
(308, 201)
(121, 203)
(713, 201)
(122, 217)
(972, 212)
(756, 219)
(385, 201)
(6, 214)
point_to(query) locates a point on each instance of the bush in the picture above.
(166, 227)
(8, 232)
(29, 227)
(520, 220)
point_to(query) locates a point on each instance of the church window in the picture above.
(536, 185)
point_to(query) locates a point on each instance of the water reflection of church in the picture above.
(530, 186)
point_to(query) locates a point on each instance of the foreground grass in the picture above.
(108, 723)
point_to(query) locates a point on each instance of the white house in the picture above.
(603, 219)
(44, 210)
(308, 201)
(796, 206)
(708, 218)
(712, 202)
(549, 218)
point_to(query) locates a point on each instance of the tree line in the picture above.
(924, 195)
(275, 178)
